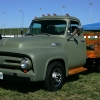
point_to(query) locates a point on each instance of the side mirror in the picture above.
(79, 30)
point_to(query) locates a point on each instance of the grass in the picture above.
(13, 31)
(83, 86)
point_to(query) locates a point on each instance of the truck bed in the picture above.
(93, 44)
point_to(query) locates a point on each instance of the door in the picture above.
(76, 47)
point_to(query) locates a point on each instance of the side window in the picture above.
(72, 28)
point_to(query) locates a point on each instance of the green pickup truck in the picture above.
(52, 46)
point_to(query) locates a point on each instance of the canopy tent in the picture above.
(92, 27)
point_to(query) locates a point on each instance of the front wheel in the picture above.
(55, 77)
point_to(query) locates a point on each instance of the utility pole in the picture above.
(63, 7)
(21, 21)
(40, 11)
(20, 18)
(3, 22)
(91, 12)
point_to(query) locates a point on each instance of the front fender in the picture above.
(41, 57)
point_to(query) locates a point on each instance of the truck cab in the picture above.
(63, 27)
(52, 47)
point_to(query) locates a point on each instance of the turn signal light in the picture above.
(48, 14)
(43, 15)
(67, 14)
(92, 55)
(54, 14)
(25, 71)
(35, 17)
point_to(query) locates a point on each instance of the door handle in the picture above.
(82, 40)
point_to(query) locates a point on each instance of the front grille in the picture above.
(10, 67)
(10, 60)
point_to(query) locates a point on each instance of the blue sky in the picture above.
(30, 8)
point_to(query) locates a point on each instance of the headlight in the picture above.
(25, 63)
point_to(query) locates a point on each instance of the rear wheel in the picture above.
(98, 68)
(55, 77)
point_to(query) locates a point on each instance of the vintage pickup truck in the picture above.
(53, 48)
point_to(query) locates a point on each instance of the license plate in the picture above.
(1, 75)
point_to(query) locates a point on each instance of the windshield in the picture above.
(52, 27)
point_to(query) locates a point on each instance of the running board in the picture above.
(76, 70)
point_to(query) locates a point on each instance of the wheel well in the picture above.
(59, 60)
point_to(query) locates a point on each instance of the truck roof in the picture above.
(56, 17)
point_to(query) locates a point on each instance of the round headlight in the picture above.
(24, 63)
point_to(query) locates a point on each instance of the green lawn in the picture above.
(13, 31)
(85, 86)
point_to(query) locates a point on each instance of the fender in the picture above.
(40, 62)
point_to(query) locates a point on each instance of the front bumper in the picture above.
(16, 75)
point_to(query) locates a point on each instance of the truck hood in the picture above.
(29, 42)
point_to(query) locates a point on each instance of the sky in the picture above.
(18, 13)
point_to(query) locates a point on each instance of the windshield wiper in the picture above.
(46, 34)
(29, 34)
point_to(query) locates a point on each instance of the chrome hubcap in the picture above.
(56, 77)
